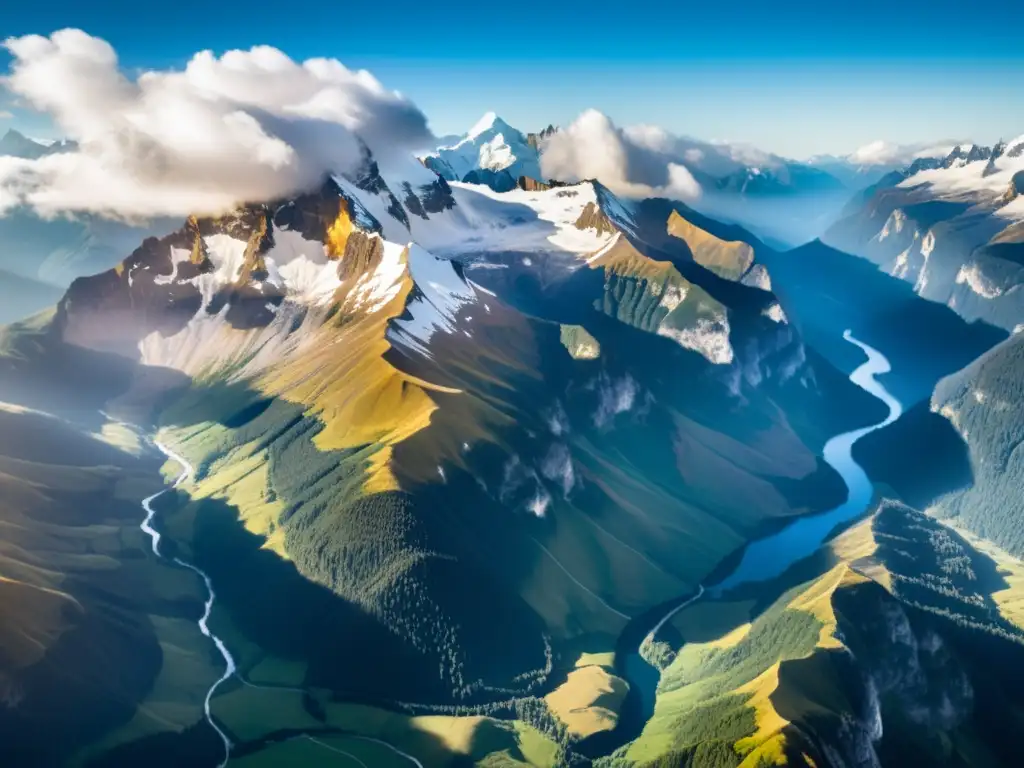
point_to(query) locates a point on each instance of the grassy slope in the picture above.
(728, 259)
(83, 609)
(983, 403)
(763, 676)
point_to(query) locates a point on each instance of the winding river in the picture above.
(770, 556)
(154, 535)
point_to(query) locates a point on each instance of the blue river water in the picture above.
(769, 557)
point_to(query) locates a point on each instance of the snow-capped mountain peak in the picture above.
(976, 174)
(491, 148)
(485, 123)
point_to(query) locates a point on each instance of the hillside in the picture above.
(950, 227)
(983, 404)
(876, 651)
(826, 291)
(956, 453)
(95, 635)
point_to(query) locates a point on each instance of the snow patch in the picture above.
(710, 337)
(969, 179)
(978, 282)
(557, 466)
(673, 296)
(894, 223)
(178, 256)
(776, 313)
(442, 294)
(539, 504)
(928, 244)
(902, 265)
(757, 277)
(617, 211)
(485, 123)
(301, 267)
(375, 290)
(511, 222)
(614, 397)
(496, 154)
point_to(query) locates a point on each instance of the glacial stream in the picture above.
(154, 535)
(769, 557)
(230, 668)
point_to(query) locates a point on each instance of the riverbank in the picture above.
(147, 527)
(760, 561)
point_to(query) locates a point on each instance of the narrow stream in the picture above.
(154, 535)
(230, 668)
(769, 557)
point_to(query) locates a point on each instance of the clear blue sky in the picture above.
(794, 77)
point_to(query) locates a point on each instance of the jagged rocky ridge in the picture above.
(951, 227)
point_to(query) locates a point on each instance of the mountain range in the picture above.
(950, 226)
(492, 145)
(466, 459)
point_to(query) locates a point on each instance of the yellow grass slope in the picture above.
(726, 259)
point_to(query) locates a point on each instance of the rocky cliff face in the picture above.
(536, 139)
(240, 266)
(533, 185)
(595, 218)
(949, 229)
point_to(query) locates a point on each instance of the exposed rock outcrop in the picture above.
(261, 240)
(594, 218)
(367, 177)
(534, 185)
(1015, 188)
(200, 256)
(535, 139)
(362, 255)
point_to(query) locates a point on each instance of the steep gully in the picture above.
(230, 668)
(763, 559)
(768, 557)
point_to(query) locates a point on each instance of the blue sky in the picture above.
(798, 78)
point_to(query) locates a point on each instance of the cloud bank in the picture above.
(886, 153)
(249, 125)
(632, 163)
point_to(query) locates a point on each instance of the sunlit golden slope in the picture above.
(730, 260)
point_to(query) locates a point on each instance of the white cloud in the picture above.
(653, 137)
(249, 125)
(5, 114)
(887, 153)
(747, 154)
(630, 162)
